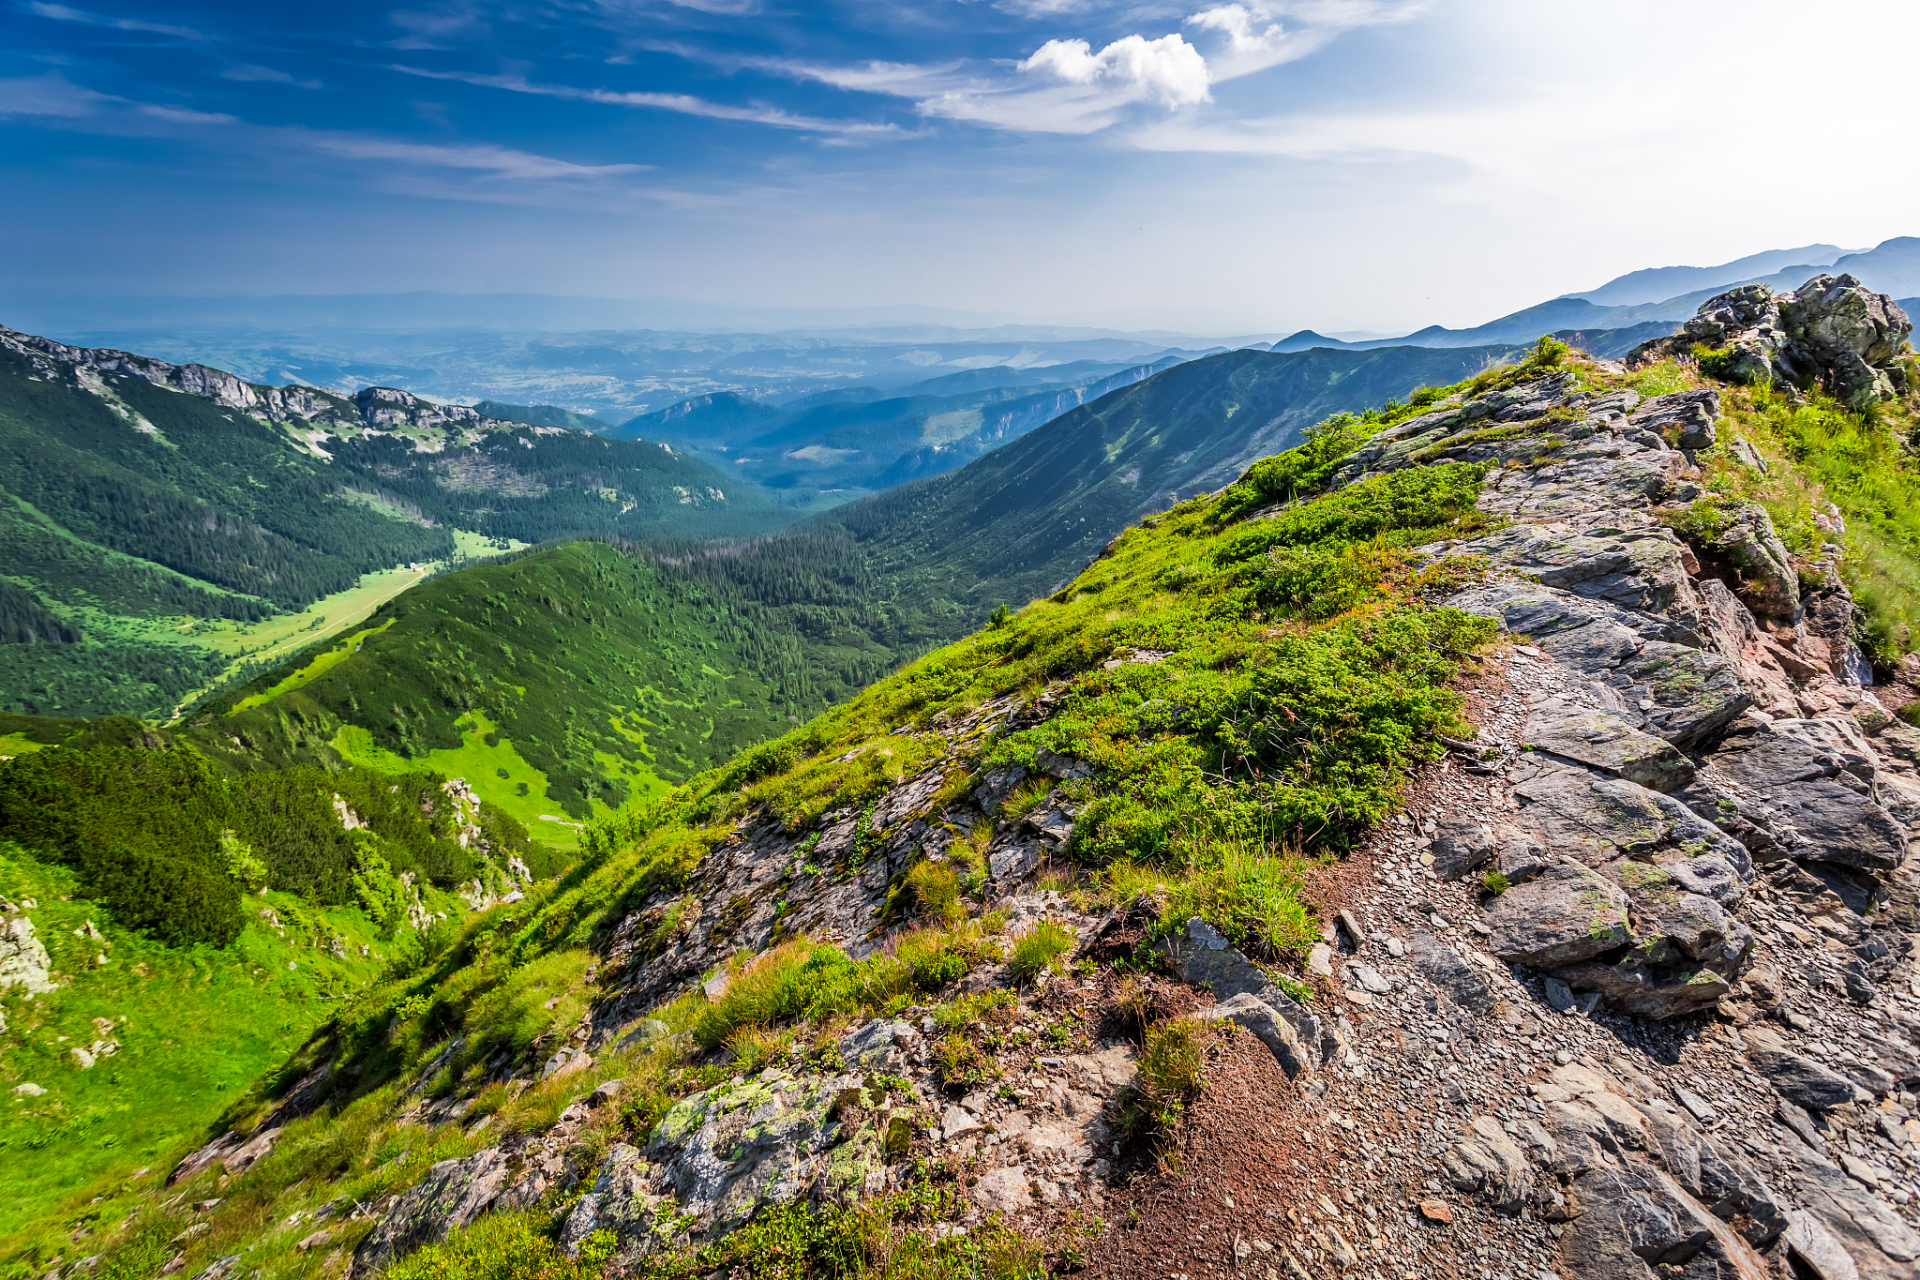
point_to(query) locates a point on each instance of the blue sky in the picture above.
(1224, 167)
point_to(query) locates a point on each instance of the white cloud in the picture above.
(63, 13)
(495, 162)
(1168, 70)
(1248, 30)
(685, 104)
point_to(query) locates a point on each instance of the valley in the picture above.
(1221, 750)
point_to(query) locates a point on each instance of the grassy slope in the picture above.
(195, 1027)
(586, 676)
(171, 547)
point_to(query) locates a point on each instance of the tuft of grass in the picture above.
(1040, 949)
(936, 893)
(1496, 882)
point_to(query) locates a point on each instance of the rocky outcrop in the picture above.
(23, 957)
(313, 412)
(1832, 330)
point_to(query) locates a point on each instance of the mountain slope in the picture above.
(141, 502)
(1369, 867)
(1656, 284)
(845, 440)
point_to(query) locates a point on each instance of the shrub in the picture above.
(1039, 949)
(143, 830)
(959, 1061)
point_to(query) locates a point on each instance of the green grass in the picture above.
(197, 1027)
(1039, 950)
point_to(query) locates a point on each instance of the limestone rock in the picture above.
(23, 958)
(1568, 915)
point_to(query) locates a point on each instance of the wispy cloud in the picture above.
(248, 73)
(63, 13)
(685, 104)
(492, 172)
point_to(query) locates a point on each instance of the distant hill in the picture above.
(540, 415)
(147, 509)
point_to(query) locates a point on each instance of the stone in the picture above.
(1320, 960)
(1461, 845)
(1558, 995)
(1488, 1164)
(565, 1062)
(1568, 915)
(606, 1091)
(1799, 788)
(1598, 820)
(1798, 1079)
(1444, 968)
(1651, 991)
(621, 1200)
(958, 1122)
(28, 1089)
(729, 1150)
(23, 958)
(452, 1195)
(645, 1032)
(1369, 980)
(1608, 742)
(1246, 1010)
(1003, 1190)
(1436, 1211)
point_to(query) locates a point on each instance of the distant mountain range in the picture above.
(1631, 308)
(143, 502)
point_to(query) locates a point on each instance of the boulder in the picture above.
(1799, 788)
(1649, 990)
(453, 1194)
(624, 1199)
(1607, 742)
(728, 1150)
(1247, 1010)
(1568, 915)
(1488, 1164)
(1451, 975)
(1599, 820)
(1460, 845)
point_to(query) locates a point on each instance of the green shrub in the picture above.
(960, 1062)
(143, 829)
(1039, 949)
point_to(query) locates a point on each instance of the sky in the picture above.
(1212, 167)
